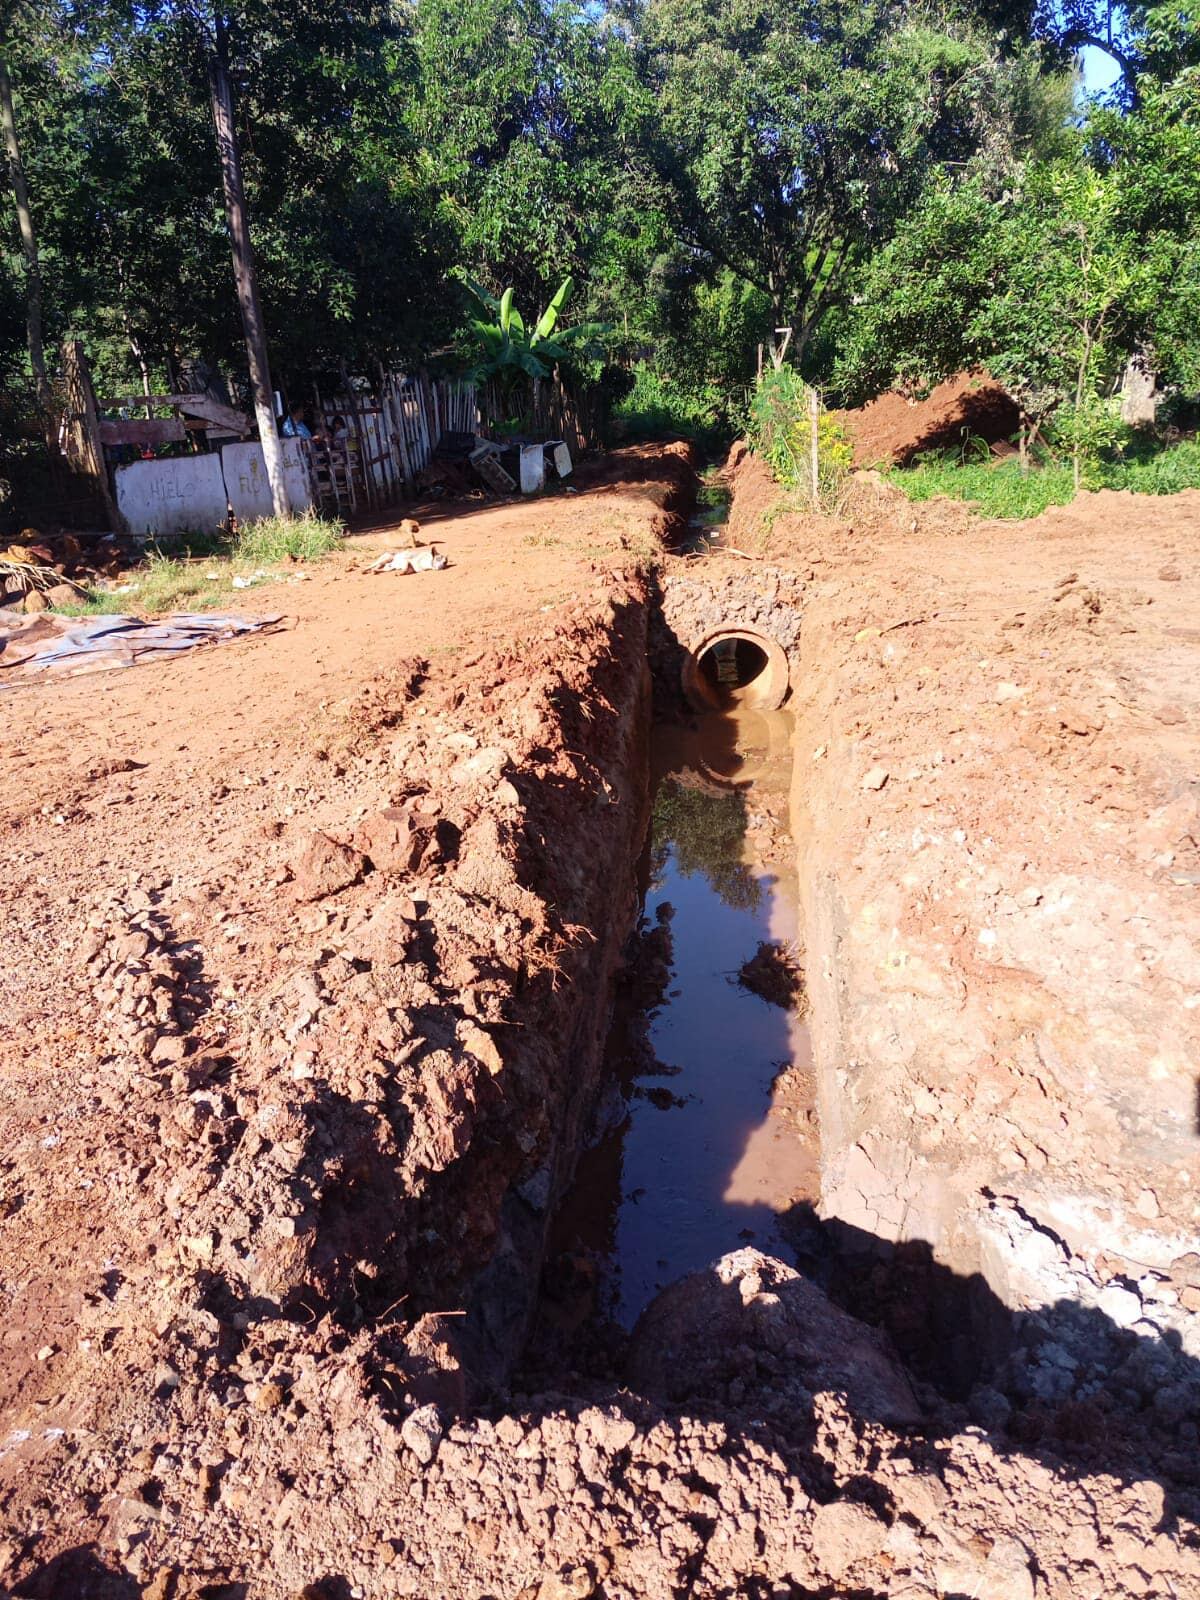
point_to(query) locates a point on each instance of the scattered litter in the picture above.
(532, 468)
(485, 458)
(45, 644)
(250, 579)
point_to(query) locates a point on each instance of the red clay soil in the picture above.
(892, 429)
(302, 997)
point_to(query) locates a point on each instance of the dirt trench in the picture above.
(329, 1099)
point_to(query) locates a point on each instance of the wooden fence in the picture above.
(372, 442)
(373, 445)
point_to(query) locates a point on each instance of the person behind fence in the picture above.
(294, 425)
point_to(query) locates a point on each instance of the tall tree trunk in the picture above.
(221, 94)
(33, 270)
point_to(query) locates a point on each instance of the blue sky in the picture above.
(1100, 71)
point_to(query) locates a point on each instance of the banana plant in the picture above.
(510, 355)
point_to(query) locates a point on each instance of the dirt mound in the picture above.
(690, 1343)
(892, 429)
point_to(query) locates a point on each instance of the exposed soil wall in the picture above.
(274, 1194)
(959, 414)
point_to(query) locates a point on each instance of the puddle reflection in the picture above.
(711, 1148)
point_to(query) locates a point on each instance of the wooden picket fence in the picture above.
(393, 431)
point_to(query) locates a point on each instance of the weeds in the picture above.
(779, 425)
(275, 539)
(200, 573)
(1000, 489)
(1156, 472)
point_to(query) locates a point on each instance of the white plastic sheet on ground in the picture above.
(43, 645)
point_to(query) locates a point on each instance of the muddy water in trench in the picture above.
(712, 1137)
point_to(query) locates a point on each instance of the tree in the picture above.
(350, 249)
(1149, 43)
(1059, 332)
(794, 138)
(216, 37)
(1152, 160)
(1055, 282)
(529, 113)
(29, 245)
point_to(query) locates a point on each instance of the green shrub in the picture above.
(779, 427)
(657, 407)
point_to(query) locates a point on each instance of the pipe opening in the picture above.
(736, 668)
(732, 665)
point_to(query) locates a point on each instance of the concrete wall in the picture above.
(183, 495)
(246, 480)
(192, 494)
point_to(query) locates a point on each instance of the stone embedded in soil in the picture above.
(845, 1533)
(326, 867)
(422, 1433)
(1124, 1306)
(395, 839)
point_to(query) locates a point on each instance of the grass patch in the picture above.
(1153, 472)
(273, 539)
(201, 577)
(1000, 489)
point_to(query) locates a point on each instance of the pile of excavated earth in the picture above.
(310, 956)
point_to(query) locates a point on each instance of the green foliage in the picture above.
(792, 139)
(271, 540)
(707, 834)
(779, 427)
(528, 113)
(1054, 282)
(903, 185)
(661, 407)
(1001, 489)
(511, 357)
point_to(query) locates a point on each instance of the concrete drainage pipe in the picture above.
(735, 667)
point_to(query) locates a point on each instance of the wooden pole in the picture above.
(814, 417)
(229, 154)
